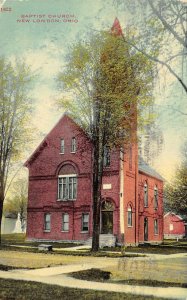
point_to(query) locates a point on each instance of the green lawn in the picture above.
(149, 271)
(27, 290)
(104, 276)
(167, 247)
(20, 240)
(17, 242)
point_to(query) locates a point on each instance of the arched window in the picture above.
(67, 183)
(129, 216)
(107, 205)
(145, 194)
(107, 212)
(155, 197)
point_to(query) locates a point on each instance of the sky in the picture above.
(28, 30)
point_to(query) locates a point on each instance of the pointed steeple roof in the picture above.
(116, 28)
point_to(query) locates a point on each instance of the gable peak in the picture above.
(116, 28)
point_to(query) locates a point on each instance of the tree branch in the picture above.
(155, 59)
(166, 24)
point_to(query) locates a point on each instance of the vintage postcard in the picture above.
(93, 149)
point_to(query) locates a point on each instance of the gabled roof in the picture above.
(44, 142)
(181, 217)
(145, 168)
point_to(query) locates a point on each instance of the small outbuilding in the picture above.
(11, 223)
(174, 226)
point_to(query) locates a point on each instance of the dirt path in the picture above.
(57, 276)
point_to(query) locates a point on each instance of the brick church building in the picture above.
(60, 191)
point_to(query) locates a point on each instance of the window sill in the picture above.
(61, 153)
(129, 226)
(65, 231)
(47, 230)
(84, 231)
(146, 206)
(73, 152)
(155, 233)
(65, 200)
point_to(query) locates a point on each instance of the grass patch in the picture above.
(101, 276)
(165, 270)
(154, 249)
(175, 243)
(167, 247)
(66, 252)
(153, 283)
(27, 290)
(98, 254)
(91, 275)
(8, 268)
(19, 239)
(13, 238)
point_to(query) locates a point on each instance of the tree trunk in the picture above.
(96, 223)
(97, 181)
(96, 192)
(1, 208)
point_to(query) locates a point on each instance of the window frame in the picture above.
(106, 157)
(155, 197)
(171, 227)
(66, 183)
(156, 232)
(62, 146)
(146, 194)
(65, 222)
(47, 222)
(83, 222)
(129, 213)
(73, 145)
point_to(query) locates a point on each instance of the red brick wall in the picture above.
(49, 158)
(44, 167)
(43, 185)
(130, 189)
(150, 212)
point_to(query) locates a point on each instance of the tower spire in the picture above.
(116, 28)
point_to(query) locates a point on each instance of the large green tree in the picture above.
(15, 111)
(108, 86)
(176, 191)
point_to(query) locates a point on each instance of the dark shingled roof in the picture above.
(145, 168)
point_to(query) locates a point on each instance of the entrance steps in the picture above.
(105, 240)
